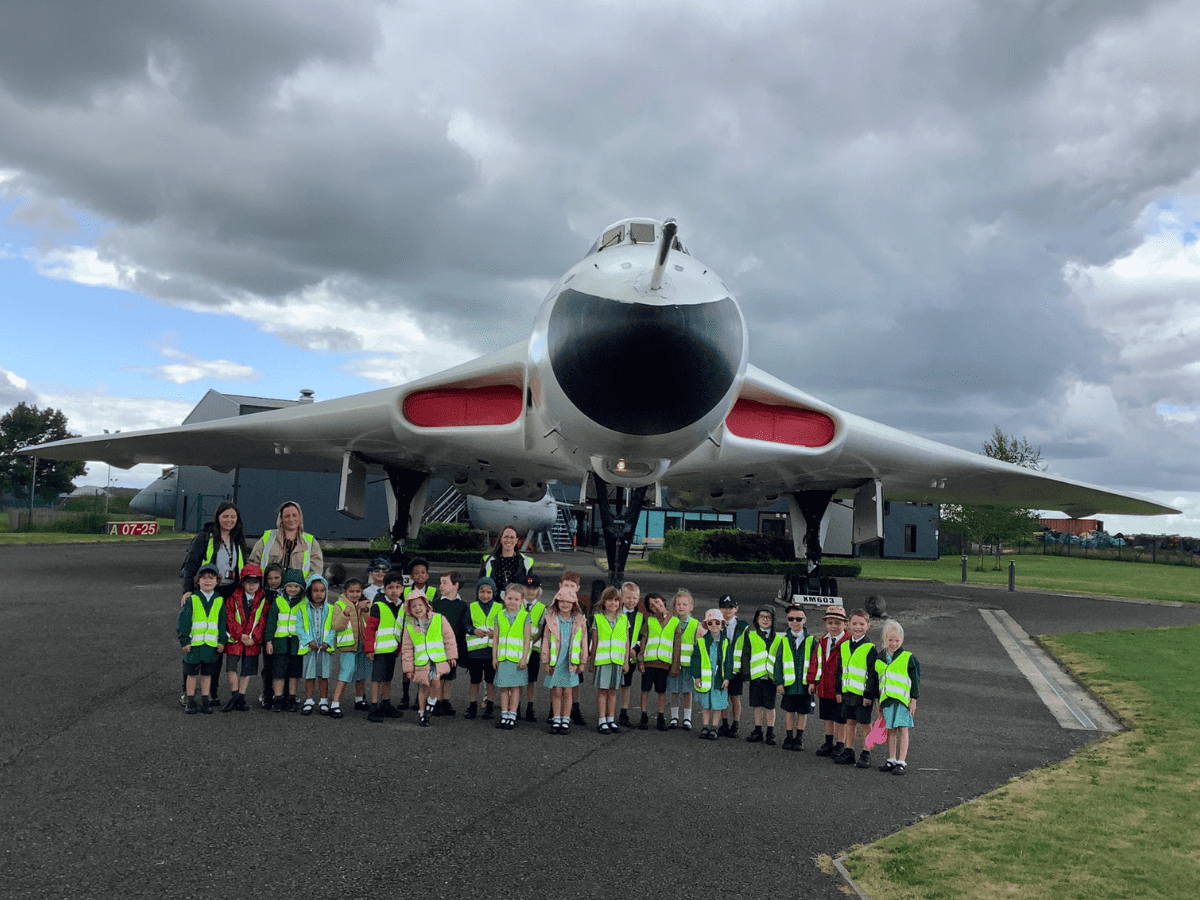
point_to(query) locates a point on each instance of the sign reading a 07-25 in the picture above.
(132, 529)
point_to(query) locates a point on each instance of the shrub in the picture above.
(449, 536)
(687, 543)
(745, 546)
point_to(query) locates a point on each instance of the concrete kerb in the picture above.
(837, 864)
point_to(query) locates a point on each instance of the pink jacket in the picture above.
(448, 639)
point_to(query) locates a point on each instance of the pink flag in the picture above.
(877, 734)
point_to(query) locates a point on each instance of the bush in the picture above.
(673, 562)
(687, 543)
(435, 536)
(745, 546)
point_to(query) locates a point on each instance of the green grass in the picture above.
(1066, 574)
(1120, 818)
(54, 537)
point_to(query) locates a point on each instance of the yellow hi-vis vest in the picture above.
(703, 682)
(210, 556)
(387, 637)
(806, 656)
(660, 640)
(238, 612)
(553, 649)
(635, 633)
(854, 668)
(430, 646)
(205, 624)
(285, 623)
(510, 638)
(763, 658)
(287, 563)
(537, 612)
(480, 620)
(303, 609)
(344, 639)
(612, 640)
(687, 642)
(894, 683)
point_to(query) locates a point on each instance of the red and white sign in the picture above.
(132, 529)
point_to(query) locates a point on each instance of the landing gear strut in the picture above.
(618, 532)
(408, 488)
(812, 505)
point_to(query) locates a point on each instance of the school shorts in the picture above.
(242, 665)
(800, 704)
(735, 686)
(481, 669)
(535, 666)
(656, 679)
(762, 693)
(853, 709)
(830, 710)
(627, 680)
(208, 667)
(383, 667)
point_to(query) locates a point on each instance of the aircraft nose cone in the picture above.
(642, 369)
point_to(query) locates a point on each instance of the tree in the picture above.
(24, 425)
(984, 524)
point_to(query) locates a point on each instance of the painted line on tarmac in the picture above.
(1067, 701)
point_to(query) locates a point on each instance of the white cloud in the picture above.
(188, 368)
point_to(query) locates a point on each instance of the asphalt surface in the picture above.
(107, 789)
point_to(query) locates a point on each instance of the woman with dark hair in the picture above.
(288, 544)
(220, 543)
(506, 565)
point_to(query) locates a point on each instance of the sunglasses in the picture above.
(795, 619)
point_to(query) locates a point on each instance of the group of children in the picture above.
(507, 637)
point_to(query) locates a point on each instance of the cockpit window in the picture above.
(612, 237)
(641, 233)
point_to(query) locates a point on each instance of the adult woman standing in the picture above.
(220, 543)
(505, 565)
(288, 544)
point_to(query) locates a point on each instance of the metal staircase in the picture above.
(450, 506)
(560, 534)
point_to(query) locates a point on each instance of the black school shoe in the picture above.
(487, 710)
(864, 759)
(887, 766)
(448, 709)
(662, 722)
(230, 704)
(190, 707)
(755, 736)
(472, 710)
(530, 715)
(623, 719)
(375, 715)
(845, 758)
(577, 716)
(206, 706)
(733, 730)
(644, 724)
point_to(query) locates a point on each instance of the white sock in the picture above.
(674, 712)
(359, 698)
(687, 715)
(337, 704)
(309, 702)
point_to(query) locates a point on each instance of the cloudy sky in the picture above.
(943, 215)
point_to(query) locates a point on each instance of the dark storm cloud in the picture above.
(893, 196)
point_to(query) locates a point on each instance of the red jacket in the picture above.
(830, 659)
(237, 623)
